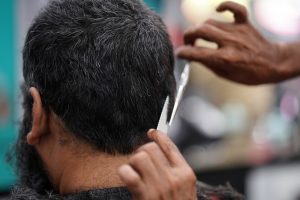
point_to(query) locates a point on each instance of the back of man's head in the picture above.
(103, 67)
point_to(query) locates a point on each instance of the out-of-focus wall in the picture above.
(7, 89)
(15, 18)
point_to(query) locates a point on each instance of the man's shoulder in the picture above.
(118, 193)
(25, 193)
(204, 192)
(222, 192)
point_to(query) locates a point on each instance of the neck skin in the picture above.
(73, 165)
(90, 172)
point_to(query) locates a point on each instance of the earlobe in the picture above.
(39, 118)
(32, 139)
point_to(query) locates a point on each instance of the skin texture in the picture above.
(158, 171)
(243, 54)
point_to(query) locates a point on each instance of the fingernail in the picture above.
(151, 132)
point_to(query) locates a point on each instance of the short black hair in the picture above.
(103, 67)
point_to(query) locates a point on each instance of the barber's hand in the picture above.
(159, 171)
(243, 54)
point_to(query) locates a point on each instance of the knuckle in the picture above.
(202, 28)
(151, 149)
(230, 56)
(186, 175)
(205, 28)
(209, 21)
(138, 158)
(190, 30)
(191, 177)
(161, 190)
(243, 10)
(133, 181)
(174, 183)
(171, 148)
(148, 147)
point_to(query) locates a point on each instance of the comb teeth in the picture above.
(162, 123)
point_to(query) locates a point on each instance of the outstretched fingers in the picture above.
(200, 54)
(205, 31)
(239, 11)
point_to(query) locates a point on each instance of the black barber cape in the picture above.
(204, 192)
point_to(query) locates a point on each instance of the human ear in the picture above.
(39, 118)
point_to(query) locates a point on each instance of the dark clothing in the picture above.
(204, 192)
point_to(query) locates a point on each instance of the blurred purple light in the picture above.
(289, 106)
